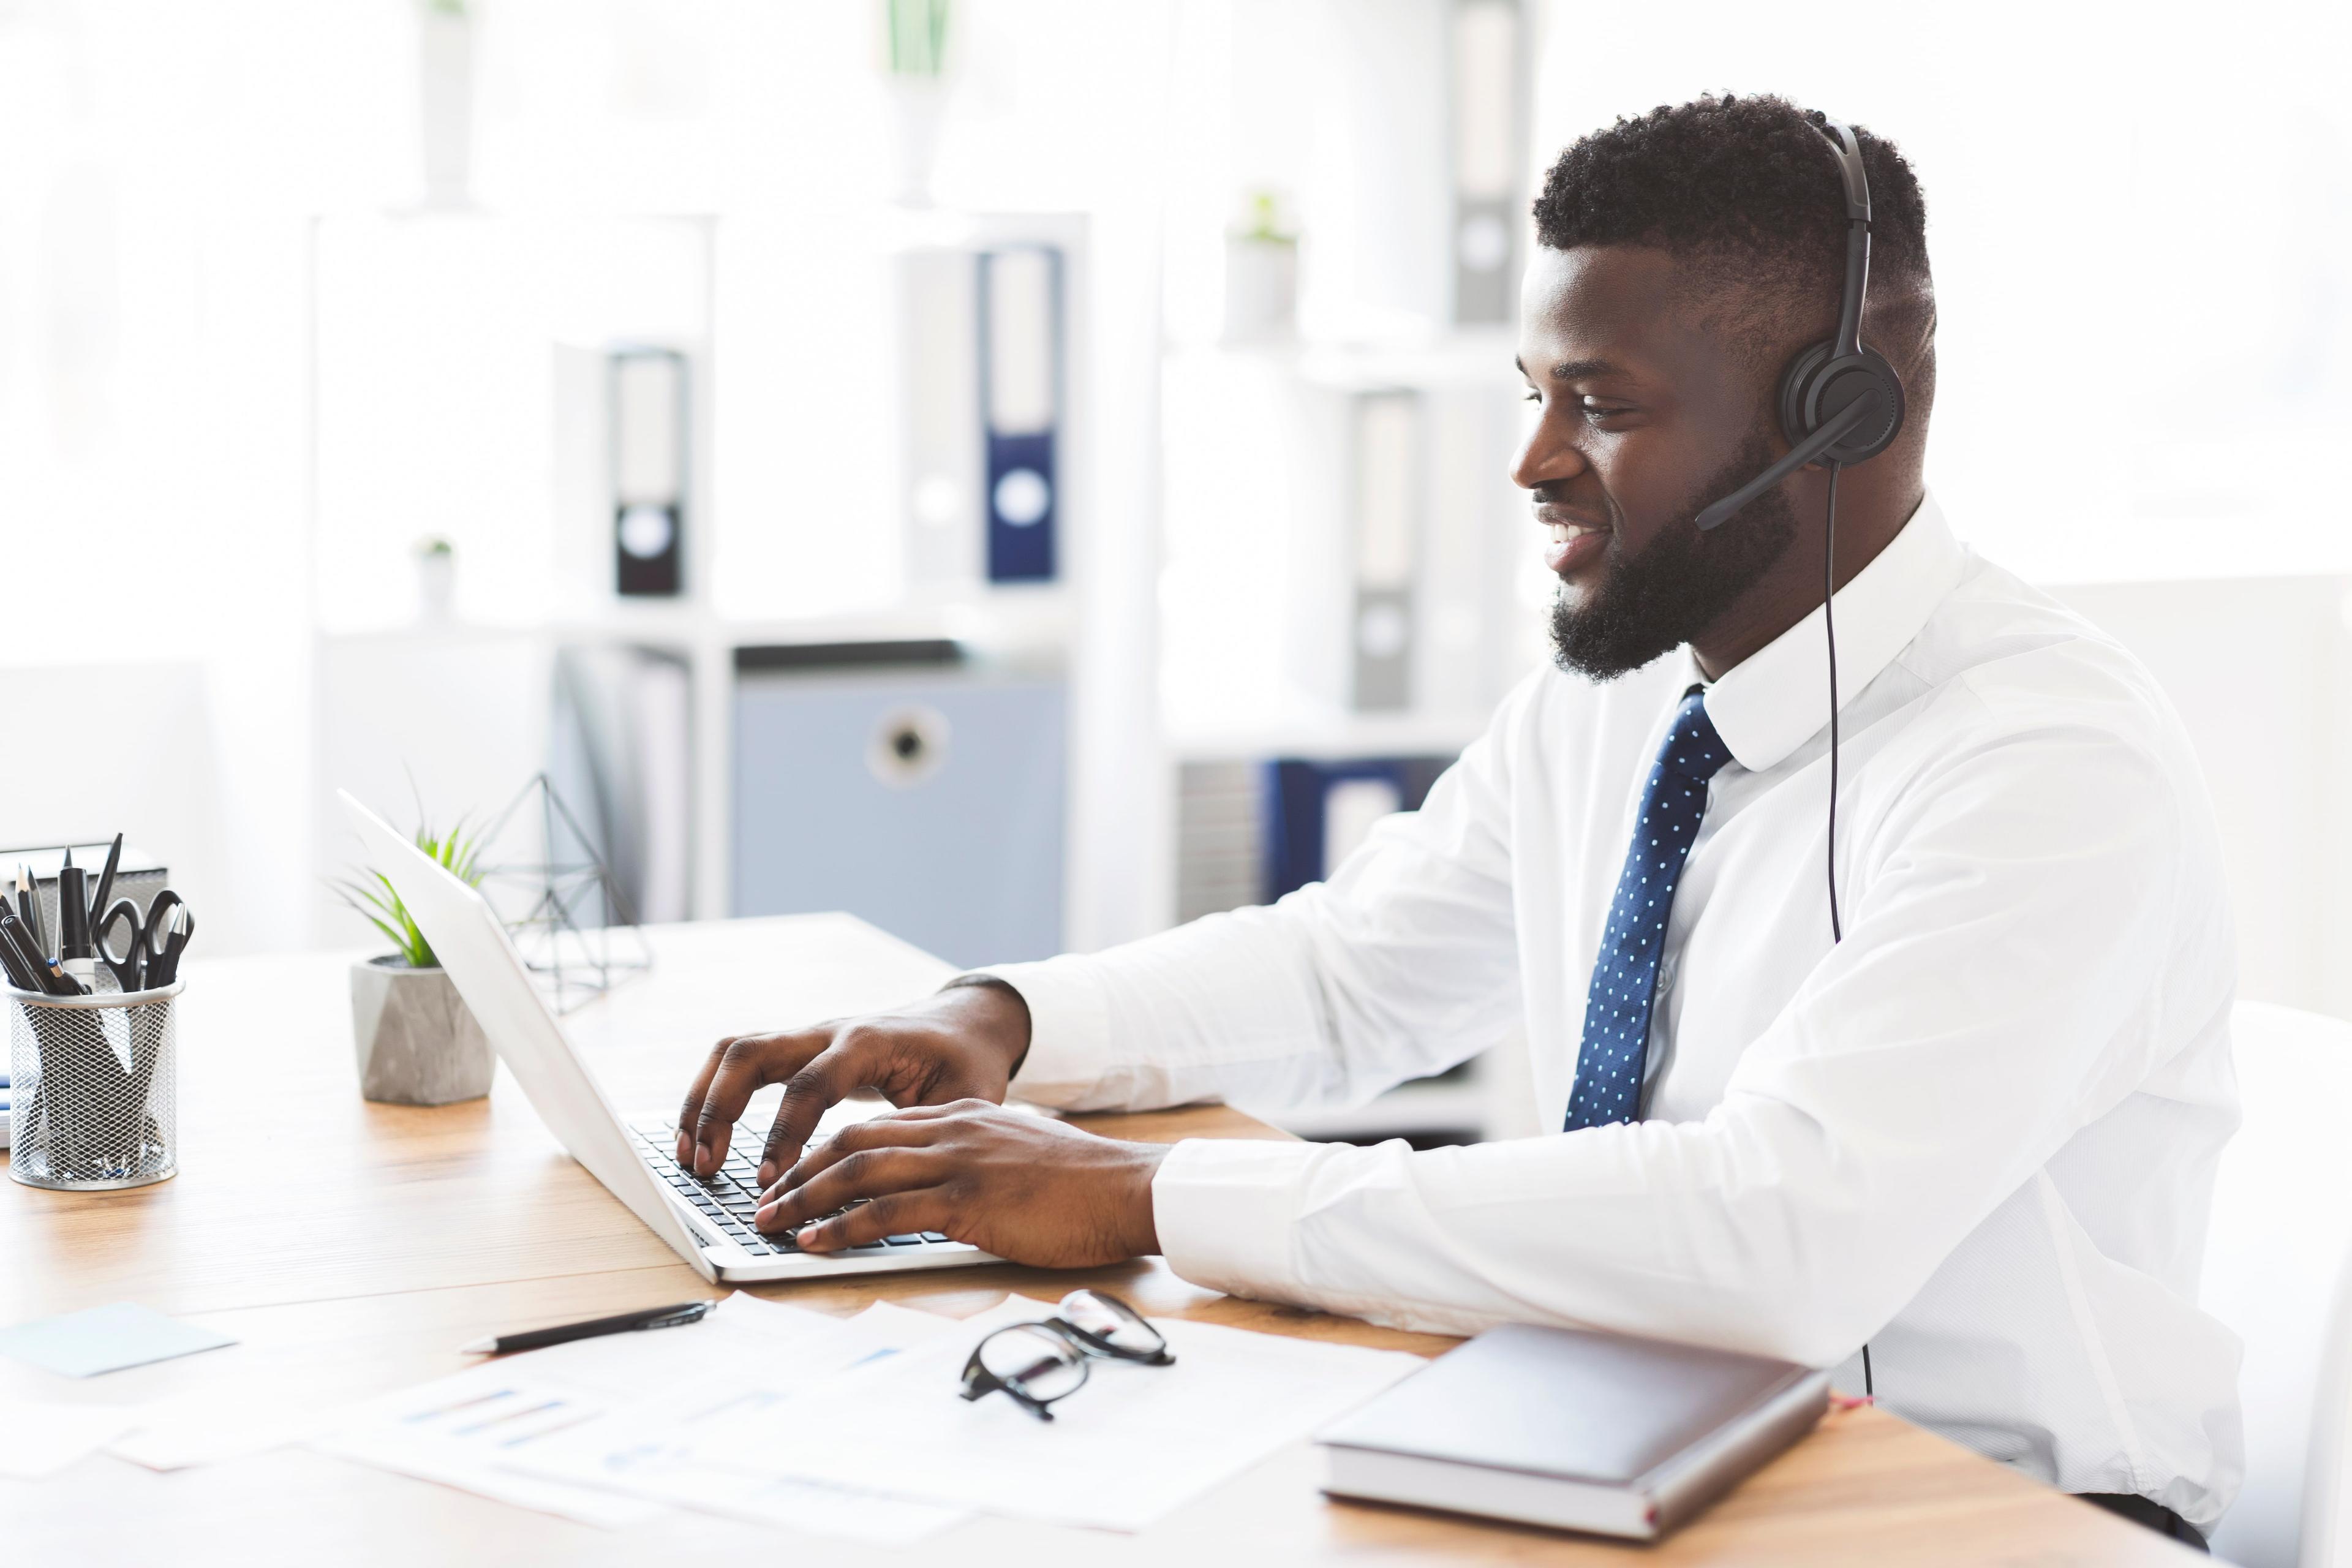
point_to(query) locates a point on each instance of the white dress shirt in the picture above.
(1980, 1135)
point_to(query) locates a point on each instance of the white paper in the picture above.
(459, 1430)
(453, 1431)
(203, 1429)
(40, 1438)
(653, 1455)
(1132, 1445)
(586, 1430)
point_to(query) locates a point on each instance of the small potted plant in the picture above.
(418, 1044)
(437, 577)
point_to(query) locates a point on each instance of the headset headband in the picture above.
(1857, 235)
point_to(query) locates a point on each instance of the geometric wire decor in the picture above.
(574, 927)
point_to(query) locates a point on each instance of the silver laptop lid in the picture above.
(491, 974)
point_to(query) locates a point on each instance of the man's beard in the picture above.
(1651, 602)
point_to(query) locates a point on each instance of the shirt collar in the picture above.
(1772, 701)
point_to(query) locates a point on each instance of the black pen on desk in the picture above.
(563, 1334)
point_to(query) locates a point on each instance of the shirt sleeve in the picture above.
(1402, 964)
(1974, 1017)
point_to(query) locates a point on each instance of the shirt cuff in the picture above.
(1070, 1027)
(1227, 1212)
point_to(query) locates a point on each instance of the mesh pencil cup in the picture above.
(95, 1101)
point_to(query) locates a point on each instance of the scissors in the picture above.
(152, 957)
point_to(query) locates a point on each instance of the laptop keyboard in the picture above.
(729, 1198)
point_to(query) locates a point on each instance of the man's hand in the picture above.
(1024, 1188)
(961, 1043)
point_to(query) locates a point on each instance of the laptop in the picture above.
(709, 1224)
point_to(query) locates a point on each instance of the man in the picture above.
(1973, 1140)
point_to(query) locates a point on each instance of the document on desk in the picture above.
(486, 1430)
(658, 1456)
(194, 1429)
(1121, 1452)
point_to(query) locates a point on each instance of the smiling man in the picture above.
(1964, 1153)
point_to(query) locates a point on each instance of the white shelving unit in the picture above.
(378, 479)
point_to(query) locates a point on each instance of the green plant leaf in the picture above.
(455, 851)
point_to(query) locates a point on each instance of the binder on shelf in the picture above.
(647, 413)
(1475, 533)
(1021, 354)
(1318, 812)
(981, 374)
(1385, 441)
(1489, 132)
(622, 449)
(940, 461)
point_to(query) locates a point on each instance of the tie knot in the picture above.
(1693, 748)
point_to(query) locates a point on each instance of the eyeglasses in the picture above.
(1041, 1362)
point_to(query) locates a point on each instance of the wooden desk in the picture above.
(352, 1246)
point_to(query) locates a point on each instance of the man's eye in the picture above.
(1531, 395)
(1597, 412)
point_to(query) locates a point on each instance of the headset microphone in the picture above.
(1804, 454)
(1840, 403)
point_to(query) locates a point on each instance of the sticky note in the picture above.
(105, 1339)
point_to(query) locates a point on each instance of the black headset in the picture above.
(1840, 403)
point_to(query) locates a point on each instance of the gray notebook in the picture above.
(1581, 1431)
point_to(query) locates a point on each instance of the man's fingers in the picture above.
(813, 1091)
(899, 1214)
(964, 1106)
(741, 1068)
(898, 1129)
(691, 1111)
(864, 1174)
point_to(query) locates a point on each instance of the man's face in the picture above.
(1647, 415)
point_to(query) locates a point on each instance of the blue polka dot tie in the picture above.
(1625, 976)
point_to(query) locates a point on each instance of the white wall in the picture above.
(2259, 669)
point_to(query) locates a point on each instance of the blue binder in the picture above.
(1021, 342)
(1296, 795)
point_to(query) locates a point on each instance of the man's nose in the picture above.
(1546, 457)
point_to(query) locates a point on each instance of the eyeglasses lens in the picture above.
(1112, 1322)
(1039, 1362)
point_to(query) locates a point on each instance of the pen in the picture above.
(105, 880)
(539, 1339)
(74, 950)
(29, 906)
(18, 962)
(47, 976)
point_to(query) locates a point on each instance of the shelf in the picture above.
(1329, 736)
(1469, 357)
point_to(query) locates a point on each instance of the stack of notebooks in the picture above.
(1581, 1431)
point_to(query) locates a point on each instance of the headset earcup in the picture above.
(1817, 387)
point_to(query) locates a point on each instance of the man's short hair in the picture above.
(1748, 189)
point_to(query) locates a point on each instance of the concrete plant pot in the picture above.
(418, 1044)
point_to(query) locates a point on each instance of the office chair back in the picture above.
(2278, 1271)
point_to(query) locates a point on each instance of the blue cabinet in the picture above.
(923, 796)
